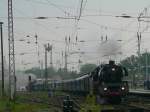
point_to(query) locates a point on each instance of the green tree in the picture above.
(35, 71)
(137, 65)
(86, 68)
(53, 72)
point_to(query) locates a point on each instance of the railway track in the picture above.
(140, 103)
(55, 101)
(77, 101)
(135, 103)
(140, 99)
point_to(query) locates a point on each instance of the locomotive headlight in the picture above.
(122, 88)
(113, 69)
(105, 88)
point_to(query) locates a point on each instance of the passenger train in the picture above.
(105, 81)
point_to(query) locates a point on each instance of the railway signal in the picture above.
(67, 105)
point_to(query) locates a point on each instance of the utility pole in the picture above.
(12, 81)
(139, 51)
(62, 56)
(46, 75)
(66, 54)
(47, 49)
(42, 69)
(66, 61)
(80, 10)
(139, 43)
(2, 56)
(51, 56)
(146, 67)
(37, 50)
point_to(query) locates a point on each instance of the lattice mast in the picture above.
(12, 78)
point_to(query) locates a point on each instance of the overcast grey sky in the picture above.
(97, 19)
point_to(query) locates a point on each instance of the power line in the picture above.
(49, 3)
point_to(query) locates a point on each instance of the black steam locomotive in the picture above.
(108, 81)
(105, 81)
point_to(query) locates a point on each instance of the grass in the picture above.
(19, 106)
(27, 107)
(6, 105)
(0, 87)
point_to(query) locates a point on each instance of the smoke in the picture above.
(100, 50)
(109, 49)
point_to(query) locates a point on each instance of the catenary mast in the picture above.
(12, 78)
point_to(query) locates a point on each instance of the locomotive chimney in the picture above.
(111, 62)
